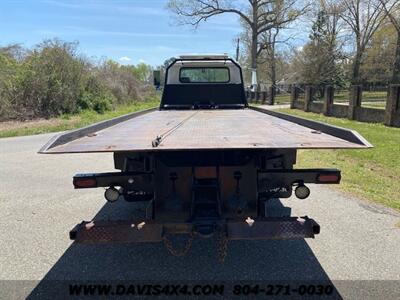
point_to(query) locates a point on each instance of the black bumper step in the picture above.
(238, 229)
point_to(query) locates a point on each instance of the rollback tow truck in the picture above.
(204, 162)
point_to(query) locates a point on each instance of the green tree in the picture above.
(142, 72)
(363, 18)
(379, 55)
(392, 10)
(258, 16)
(321, 58)
(53, 79)
(50, 80)
(8, 71)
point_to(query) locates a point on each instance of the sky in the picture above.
(127, 31)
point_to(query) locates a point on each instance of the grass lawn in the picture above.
(369, 99)
(67, 122)
(283, 98)
(372, 174)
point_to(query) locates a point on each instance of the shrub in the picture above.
(52, 79)
(85, 101)
(103, 104)
(120, 81)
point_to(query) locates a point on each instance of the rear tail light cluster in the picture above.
(328, 178)
(84, 182)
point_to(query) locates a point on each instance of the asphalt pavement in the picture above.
(358, 249)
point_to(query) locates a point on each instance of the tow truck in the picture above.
(204, 162)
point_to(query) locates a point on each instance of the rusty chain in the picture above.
(177, 252)
(222, 246)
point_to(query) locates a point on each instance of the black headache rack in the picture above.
(192, 95)
(203, 105)
(137, 231)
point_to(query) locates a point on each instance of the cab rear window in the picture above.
(204, 75)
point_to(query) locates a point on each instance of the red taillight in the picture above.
(81, 183)
(328, 178)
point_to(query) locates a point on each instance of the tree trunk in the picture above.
(355, 78)
(396, 66)
(273, 65)
(254, 39)
(273, 78)
(273, 73)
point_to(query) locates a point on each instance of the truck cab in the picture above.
(203, 82)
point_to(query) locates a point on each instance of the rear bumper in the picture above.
(138, 231)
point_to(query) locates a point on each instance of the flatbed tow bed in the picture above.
(252, 128)
(203, 167)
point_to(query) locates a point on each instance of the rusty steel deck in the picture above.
(156, 130)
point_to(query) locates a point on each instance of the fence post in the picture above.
(328, 100)
(271, 95)
(293, 96)
(258, 94)
(392, 104)
(355, 100)
(252, 96)
(264, 97)
(308, 97)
